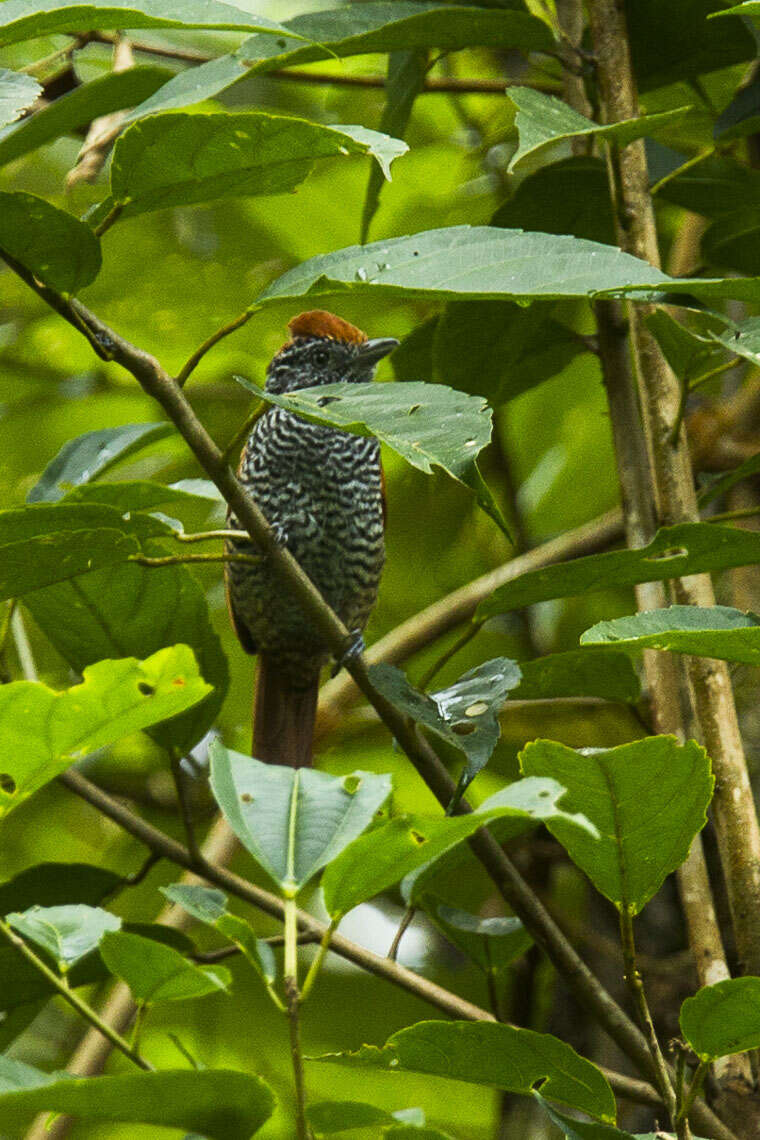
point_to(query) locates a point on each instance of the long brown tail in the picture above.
(283, 717)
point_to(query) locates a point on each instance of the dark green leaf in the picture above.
(724, 483)
(57, 248)
(413, 1132)
(221, 1103)
(155, 972)
(647, 799)
(492, 943)
(210, 906)
(329, 1117)
(17, 92)
(733, 240)
(52, 884)
(579, 673)
(542, 120)
(79, 107)
(713, 187)
(581, 1130)
(690, 355)
(355, 30)
(427, 424)
(28, 19)
(714, 631)
(742, 338)
(382, 857)
(465, 714)
(675, 41)
(92, 454)
(567, 197)
(42, 732)
(67, 933)
(174, 159)
(486, 1053)
(135, 495)
(742, 115)
(293, 821)
(687, 548)
(723, 1019)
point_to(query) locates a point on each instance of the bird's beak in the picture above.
(373, 351)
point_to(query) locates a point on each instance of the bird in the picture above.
(322, 492)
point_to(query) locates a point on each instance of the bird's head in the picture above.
(324, 349)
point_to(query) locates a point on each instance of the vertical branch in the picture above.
(733, 808)
(293, 1002)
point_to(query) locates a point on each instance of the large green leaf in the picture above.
(571, 196)
(293, 821)
(691, 355)
(732, 241)
(17, 92)
(329, 1117)
(542, 120)
(714, 631)
(383, 857)
(139, 495)
(585, 672)
(42, 732)
(465, 714)
(427, 424)
(91, 455)
(675, 41)
(220, 1103)
(58, 249)
(28, 19)
(714, 186)
(177, 158)
(53, 884)
(573, 1129)
(78, 108)
(210, 907)
(155, 972)
(687, 548)
(647, 799)
(486, 1053)
(354, 30)
(723, 1019)
(68, 933)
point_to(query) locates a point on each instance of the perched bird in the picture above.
(321, 490)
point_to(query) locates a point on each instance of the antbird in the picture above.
(321, 490)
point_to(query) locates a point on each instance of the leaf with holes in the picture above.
(428, 425)
(293, 821)
(67, 933)
(220, 1103)
(91, 455)
(155, 972)
(42, 731)
(704, 631)
(57, 248)
(465, 714)
(723, 1019)
(647, 800)
(687, 548)
(487, 1053)
(383, 857)
(542, 120)
(17, 92)
(209, 906)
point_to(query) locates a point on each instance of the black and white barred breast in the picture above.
(321, 489)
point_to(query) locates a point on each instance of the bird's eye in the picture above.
(321, 357)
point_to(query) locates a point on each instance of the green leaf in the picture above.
(210, 906)
(675, 41)
(57, 248)
(293, 821)
(17, 92)
(675, 551)
(542, 120)
(690, 355)
(51, 884)
(741, 117)
(581, 1130)
(647, 799)
(710, 631)
(67, 933)
(79, 107)
(712, 187)
(91, 455)
(136, 495)
(465, 714)
(742, 338)
(404, 80)
(493, 944)
(155, 972)
(585, 672)
(329, 1117)
(221, 1103)
(381, 858)
(498, 349)
(717, 487)
(733, 241)
(723, 1019)
(28, 19)
(427, 424)
(567, 197)
(42, 732)
(355, 30)
(174, 159)
(487, 1053)
(130, 610)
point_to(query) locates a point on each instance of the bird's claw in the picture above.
(279, 533)
(353, 650)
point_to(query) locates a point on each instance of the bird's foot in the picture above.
(279, 533)
(354, 649)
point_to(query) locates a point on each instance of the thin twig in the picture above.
(192, 363)
(179, 559)
(185, 807)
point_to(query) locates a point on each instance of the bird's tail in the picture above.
(283, 717)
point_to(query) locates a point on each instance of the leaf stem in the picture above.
(112, 216)
(193, 361)
(73, 999)
(179, 559)
(241, 435)
(470, 632)
(692, 1091)
(726, 516)
(183, 800)
(209, 535)
(316, 966)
